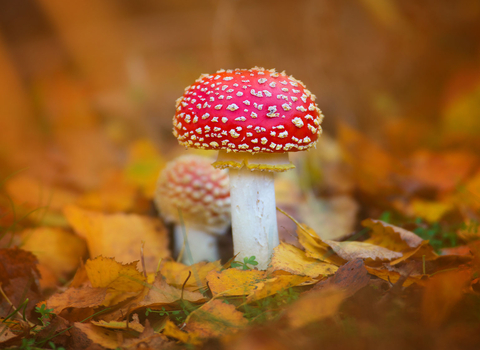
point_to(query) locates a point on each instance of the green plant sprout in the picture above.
(46, 314)
(245, 263)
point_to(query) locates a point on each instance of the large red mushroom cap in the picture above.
(248, 110)
(201, 192)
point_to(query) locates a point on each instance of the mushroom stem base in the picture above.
(200, 245)
(254, 216)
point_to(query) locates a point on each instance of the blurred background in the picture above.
(88, 88)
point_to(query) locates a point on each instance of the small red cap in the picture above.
(201, 192)
(248, 110)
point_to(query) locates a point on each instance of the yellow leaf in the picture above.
(271, 286)
(431, 211)
(121, 281)
(121, 235)
(172, 331)
(233, 282)
(177, 273)
(215, 319)
(314, 307)
(56, 249)
(289, 258)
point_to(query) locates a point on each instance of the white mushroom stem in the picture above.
(254, 216)
(199, 245)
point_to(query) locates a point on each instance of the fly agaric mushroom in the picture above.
(253, 118)
(191, 186)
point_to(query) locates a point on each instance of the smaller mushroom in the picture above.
(189, 188)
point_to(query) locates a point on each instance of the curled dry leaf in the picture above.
(107, 338)
(287, 257)
(390, 236)
(279, 283)
(120, 235)
(353, 250)
(120, 325)
(214, 319)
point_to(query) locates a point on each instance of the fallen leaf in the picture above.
(121, 235)
(98, 335)
(214, 319)
(84, 297)
(171, 330)
(176, 273)
(279, 283)
(350, 250)
(431, 211)
(160, 293)
(314, 307)
(349, 278)
(233, 282)
(393, 276)
(121, 281)
(57, 249)
(289, 258)
(390, 236)
(121, 325)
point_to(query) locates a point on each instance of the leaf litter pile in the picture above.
(380, 248)
(93, 270)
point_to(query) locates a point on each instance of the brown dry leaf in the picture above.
(215, 319)
(18, 279)
(57, 249)
(121, 235)
(160, 293)
(80, 298)
(289, 258)
(233, 282)
(177, 273)
(171, 330)
(441, 171)
(98, 335)
(144, 165)
(393, 276)
(121, 281)
(121, 325)
(349, 278)
(279, 283)
(442, 292)
(7, 335)
(314, 307)
(353, 250)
